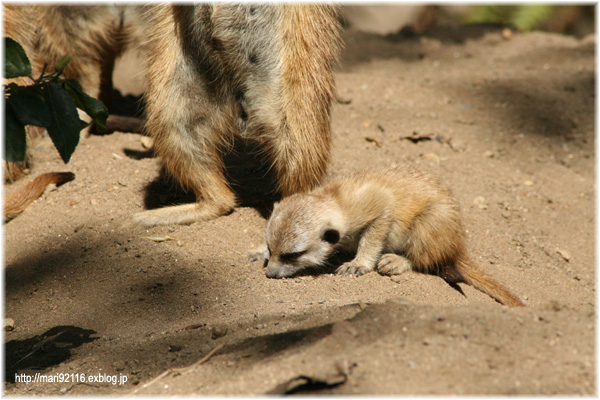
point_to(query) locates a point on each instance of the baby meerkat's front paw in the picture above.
(393, 264)
(350, 268)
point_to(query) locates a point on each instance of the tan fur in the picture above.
(263, 72)
(17, 202)
(396, 220)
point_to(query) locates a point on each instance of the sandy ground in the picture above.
(515, 123)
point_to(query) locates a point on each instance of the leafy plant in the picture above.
(50, 102)
(524, 17)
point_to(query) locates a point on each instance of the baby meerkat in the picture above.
(395, 220)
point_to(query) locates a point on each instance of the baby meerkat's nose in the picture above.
(273, 272)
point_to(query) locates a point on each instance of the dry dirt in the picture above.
(515, 123)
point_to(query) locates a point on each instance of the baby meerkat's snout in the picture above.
(277, 270)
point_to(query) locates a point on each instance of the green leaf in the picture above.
(30, 109)
(93, 107)
(528, 17)
(14, 136)
(16, 63)
(489, 14)
(64, 126)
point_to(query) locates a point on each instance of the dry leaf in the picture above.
(159, 238)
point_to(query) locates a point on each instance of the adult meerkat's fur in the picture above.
(263, 72)
(396, 220)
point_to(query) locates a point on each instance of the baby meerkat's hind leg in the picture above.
(393, 264)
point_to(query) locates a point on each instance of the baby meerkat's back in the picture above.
(406, 196)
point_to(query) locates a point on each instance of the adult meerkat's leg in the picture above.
(296, 114)
(190, 115)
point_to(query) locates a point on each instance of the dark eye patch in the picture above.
(291, 256)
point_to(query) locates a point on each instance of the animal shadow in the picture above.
(46, 350)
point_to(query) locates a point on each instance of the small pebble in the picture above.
(432, 157)
(147, 142)
(9, 324)
(564, 254)
(480, 202)
(218, 331)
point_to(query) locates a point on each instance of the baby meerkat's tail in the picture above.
(16, 203)
(471, 275)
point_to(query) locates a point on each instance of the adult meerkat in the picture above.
(395, 220)
(215, 71)
(94, 37)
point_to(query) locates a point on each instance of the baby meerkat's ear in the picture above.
(331, 236)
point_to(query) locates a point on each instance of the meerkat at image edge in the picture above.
(395, 220)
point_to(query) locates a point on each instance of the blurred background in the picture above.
(577, 20)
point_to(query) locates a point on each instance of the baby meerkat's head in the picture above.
(302, 232)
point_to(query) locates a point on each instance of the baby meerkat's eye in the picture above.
(291, 256)
(331, 236)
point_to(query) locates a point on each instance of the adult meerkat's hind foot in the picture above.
(184, 214)
(213, 203)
